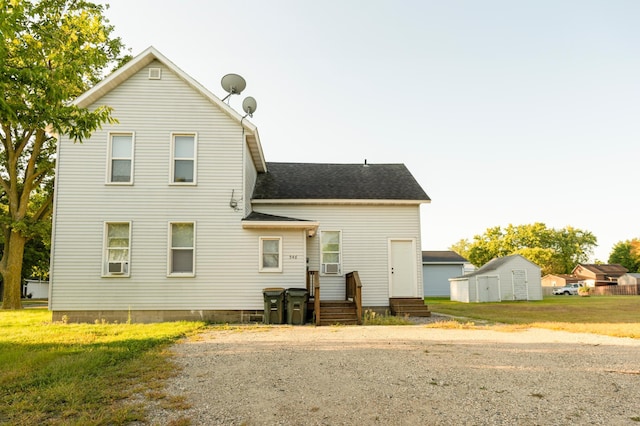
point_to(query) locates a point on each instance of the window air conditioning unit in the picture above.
(116, 268)
(331, 268)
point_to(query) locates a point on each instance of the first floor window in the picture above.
(182, 248)
(121, 158)
(117, 248)
(330, 251)
(270, 254)
(183, 153)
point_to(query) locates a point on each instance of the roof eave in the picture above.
(338, 201)
(309, 226)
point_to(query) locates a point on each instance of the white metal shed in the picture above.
(504, 278)
(629, 279)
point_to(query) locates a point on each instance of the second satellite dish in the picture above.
(233, 84)
(249, 106)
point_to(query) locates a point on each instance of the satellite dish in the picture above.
(249, 106)
(233, 84)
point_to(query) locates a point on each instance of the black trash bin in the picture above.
(297, 299)
(273, 305)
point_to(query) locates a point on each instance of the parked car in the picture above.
(567, 289)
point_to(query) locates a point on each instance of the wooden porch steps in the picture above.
(338, 312)
(411, 306)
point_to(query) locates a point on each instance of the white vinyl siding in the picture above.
(117, 248)
(182, 249)
(225, 254)
(365, 232)
(227, 276)
(120, 158)
(270, 257)
(183, 158)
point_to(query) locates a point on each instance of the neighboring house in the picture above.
(174, 213)
(596, 275)
(504, 278)
(629, 279)
(559, 280)
(437, 268)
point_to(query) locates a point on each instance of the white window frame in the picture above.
(105, 251)
(322, 269)
(263, 268)
(170, 250)
(110, 157)
(172, 163)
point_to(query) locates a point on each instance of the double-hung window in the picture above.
(182, 249)
(331, 252)
(120, 158)
(117, 249)
(183, 158)
(270, 254)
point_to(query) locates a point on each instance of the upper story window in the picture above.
(270, 254)
(120, 158)
(182, 249)
(117, 248)
(331, 252)
(183, 158)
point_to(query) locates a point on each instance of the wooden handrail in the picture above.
(353, 290)
(313, 281)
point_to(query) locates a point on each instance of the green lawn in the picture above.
(80, 374)
(610, 315)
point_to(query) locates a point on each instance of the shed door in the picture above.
(488, 289)
(402, 268)
(519, 279)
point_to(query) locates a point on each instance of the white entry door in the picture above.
(402, 268)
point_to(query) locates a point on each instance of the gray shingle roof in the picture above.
(492, 265)
(337, 181)
(443, 256)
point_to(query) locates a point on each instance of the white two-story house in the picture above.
(173, 212)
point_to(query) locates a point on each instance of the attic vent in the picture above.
(155, 73)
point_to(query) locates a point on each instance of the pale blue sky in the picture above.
(506, 112)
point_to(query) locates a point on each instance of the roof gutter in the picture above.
(338, 201)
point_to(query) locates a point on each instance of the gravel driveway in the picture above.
(404, 375)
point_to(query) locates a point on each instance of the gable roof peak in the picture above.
(146, 57)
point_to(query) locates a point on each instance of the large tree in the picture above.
(627, 254)
(554, 250)
(51, 52)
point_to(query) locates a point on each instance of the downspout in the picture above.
(244, 172)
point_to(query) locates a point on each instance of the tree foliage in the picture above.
(51, 52)
(627, 254)
(554, 250)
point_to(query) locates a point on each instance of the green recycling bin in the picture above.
(297, 299)
(273, 305)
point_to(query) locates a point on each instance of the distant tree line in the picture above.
(627, 254)
(556, 251)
